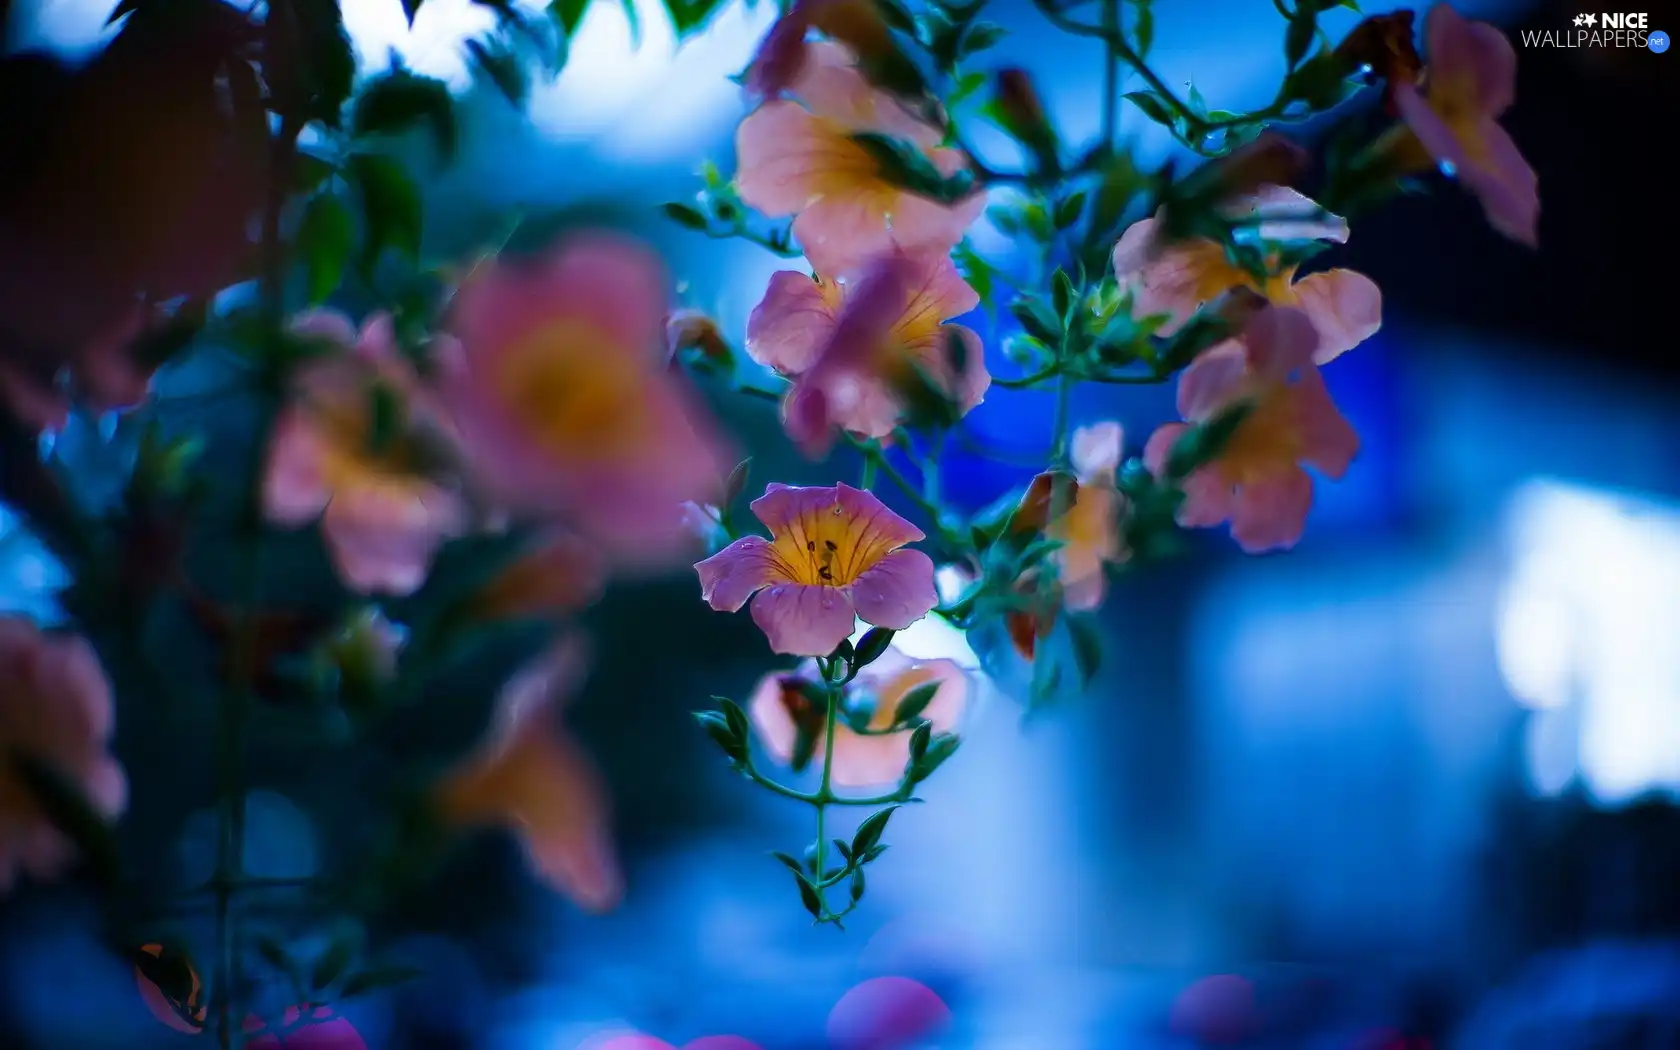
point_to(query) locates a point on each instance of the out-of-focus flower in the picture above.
(1470, 81)
(859, 350)
(1381, 46)
(798, 158)
(835, 555)
(1087, 524)
(691, 329)
(104, 375)
(562, 574)
(1181, 277)
(321, 1029)
(1258, 483)
(56, 712)
(782, 712)
(887, 1013)
(564, 402)
(532, 779)
(357, 448)
(703, 524)
(784, 55)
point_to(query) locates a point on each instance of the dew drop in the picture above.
(1449, 169)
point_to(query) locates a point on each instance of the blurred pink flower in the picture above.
(564, 401)
(104, 375)
(835, 555)
(887, 1013)
(382, 506)
(780, 709)
(1258, 482)
(561, 574)
(856, 349)
(797, 158)
(321, 1030)
(529, 777)
(55, 710)
(1179, 278)
(1470, 81)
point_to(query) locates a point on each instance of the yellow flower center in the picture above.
(1266, 439)
(575, 392)
(828, 548)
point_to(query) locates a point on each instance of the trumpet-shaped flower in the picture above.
(798, 158)
(357, 449)
(784, 54)
(1470, 81)
(781, 711)
(1258, 483)
(529, 777)
(834, 555)
(857, 350)
(565, 405)
(1179, 278)
(55, 713)
(1088, 529)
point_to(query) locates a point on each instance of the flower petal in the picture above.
(802, 620)
(295, 491)
(1433, 133)
(1278, 340)
(1345, 307)
(781, 152)
(1476, 52)
(1284, 214)
(831, 87)
(789, 510)
(842, 232)
(1097, 449)
(729, 577)
(793, 322)
(896, 591)
(1271, 514)
(1507, 186)
(1328, 440)
(1214, 380)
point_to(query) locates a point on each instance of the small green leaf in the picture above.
(568, 14)
(914, 703)
(870, 647)
(858, 885)
(1068, 210)
(843, 847)
(966, 86)
(685, 215)
(375, 978)
(1143, 28)
(716, 725)
(901, 163)
(1087, 645)
(739, 724)
(1152, 105)
(1038, 318)
(332, 963)
(1298, 39)
(919, 742)
(1198, 104)
(736, 483)
(504, 68)
(391, 209)
(980, 36)
(309, 171)
(690, 15)
(940, 748)
(896, 16)
(324, 241)
(790, 862)
(868, 834)
(1063, 296)
(1203, 443)
(808, 896)
(396, 102)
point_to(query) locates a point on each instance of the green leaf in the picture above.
(858, 885)
(71, 813)
(1038, 318)
(504, 68)
(868, 834)
(324, 241)
(739, 724)
(1143, 28)
(940, 748)
(568, 14)
(309, 171)
(716, 725)
(690, 15)
(1298, 39)
(410, 9)
(808, 895)
(790, 862)
(1087, 645)
(1153, 106)
(914, 703)
(1069, 209)
(1063, 296)
(1197, 104)
(919, 739)
(736, 483)
(901, 163)
(375, 978)
(844, 848)
(685, 215)
(332, 963)
(390, 208)
(980, 36)
(870, 647)
(1203, 443)
(324, 63)
(397, 101)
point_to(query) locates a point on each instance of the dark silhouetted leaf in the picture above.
(915, 702)
(870, 647)
(323, 245)
(868, 834)
(397, 101)
(390, 207)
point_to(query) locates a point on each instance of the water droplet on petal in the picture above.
(1449, 169)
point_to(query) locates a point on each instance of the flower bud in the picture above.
(1022, 114)
(691, 329)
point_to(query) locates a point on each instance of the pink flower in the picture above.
(855, 349)
(1089, 530)
(561, 574)
(383, 510)
(55, 710)
(797, 158)
(529, 777)
(1258, 483)
(833, 557)
(564, 401)
(1179, 278)
(780, 711)
(1471, 80)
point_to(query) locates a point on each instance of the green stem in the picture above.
(825, 788)
(1111, 71)
(1026, 381)
(866, 474)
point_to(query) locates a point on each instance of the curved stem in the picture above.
(1027, 381)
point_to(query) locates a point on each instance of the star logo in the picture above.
(1580, 20)
(1591, 19)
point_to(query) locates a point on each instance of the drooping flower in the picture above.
(784, 55)
(834, 554)
(1259, 483)
(858, 351)
(529, 777)
(56, 713)
(564, 402)
(1179, 278)
(358, 448)
(1087, 524)
(561, 574)
(781, 711)
(1470, 81)
(798, 158)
